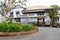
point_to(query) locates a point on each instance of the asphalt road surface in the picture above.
(45, 33)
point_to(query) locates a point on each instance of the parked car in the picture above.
(47, 20)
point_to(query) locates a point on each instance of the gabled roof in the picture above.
(18, 6)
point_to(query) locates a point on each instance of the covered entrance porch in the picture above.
(40, 15)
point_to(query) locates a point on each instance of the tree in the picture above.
(52, 14)
(54, 6)
(8, 5)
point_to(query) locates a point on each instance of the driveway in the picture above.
(45, 33)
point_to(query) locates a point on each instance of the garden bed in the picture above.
(13, 29)
(17, 33)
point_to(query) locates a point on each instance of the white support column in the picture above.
(14, 14)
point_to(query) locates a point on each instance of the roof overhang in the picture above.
(36, 10)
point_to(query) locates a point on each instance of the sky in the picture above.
(43, 2)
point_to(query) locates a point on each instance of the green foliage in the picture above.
(54, 6)
(52, 13)
(15, 27)
(33, 23)
(27, 27)
(9, 27)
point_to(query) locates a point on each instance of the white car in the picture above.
(47, 20)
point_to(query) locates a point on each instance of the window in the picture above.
(31, 14)
(17, 14)
(25, 14)
(17, 19)
(11, 14)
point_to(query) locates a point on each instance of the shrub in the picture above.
(15, 27)
(10, 27)
(33, 23)
(3, 27)
(27, 27)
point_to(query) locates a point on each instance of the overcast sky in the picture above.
(43, 2)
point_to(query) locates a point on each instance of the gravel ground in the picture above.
(45, 33)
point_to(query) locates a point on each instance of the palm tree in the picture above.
(52, 14)
(8, 5)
